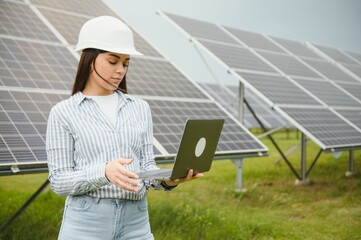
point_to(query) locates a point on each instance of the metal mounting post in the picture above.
(239, 172)
(350, 171)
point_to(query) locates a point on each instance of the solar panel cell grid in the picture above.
(159, 78)
(270, 118)
(296, 48)
(328, 93)
(326, 127)
(201, 29)
(17, 19)
(66, 24)
(335, 54)
(254, 40)
(355, 68)
(37, 65)
(330, 70)
(227, 98)
(288, 64)
(238, 57)
(279, 89)
(356, 56)
(168, 133)
(353, 116)
(90, 8)
(354, 89)
(23, 125)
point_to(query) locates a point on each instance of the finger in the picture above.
(198, 175)
(190, 175)
(128, 173)
(127, 180)
(126, 183)
(124, 161)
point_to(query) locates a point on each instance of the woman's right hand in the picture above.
(121, 177)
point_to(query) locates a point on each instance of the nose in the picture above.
(120, 69)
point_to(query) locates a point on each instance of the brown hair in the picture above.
(87, 58)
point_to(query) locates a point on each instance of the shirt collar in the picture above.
(122, 98)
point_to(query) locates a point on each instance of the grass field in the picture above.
(273, 207)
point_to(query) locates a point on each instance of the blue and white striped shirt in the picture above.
(80, 140)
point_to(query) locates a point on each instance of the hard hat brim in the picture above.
(100, 46)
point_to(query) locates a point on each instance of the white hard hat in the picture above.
(107, 33)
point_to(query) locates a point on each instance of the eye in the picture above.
(111, 62)
(125, 65)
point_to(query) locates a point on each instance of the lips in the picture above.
(116, 80)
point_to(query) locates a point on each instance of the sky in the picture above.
(332, 23)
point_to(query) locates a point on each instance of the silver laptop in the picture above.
(196, 150)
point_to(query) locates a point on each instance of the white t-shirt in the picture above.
(108, 104)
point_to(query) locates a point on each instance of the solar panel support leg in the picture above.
(303, 157)
(303, 180)
(22, 209)
(350, 171)
(239, 172)
(271, 138)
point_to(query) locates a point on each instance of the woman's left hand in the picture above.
(189, 177)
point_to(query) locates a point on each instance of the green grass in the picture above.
(273, 207)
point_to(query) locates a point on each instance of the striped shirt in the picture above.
(80, 140)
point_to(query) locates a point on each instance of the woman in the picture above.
(99, 138)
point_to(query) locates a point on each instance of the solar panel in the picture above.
(23, 126)
(299, 82)
(36, 65)
(279, 89)
(355, 68)
(354, 89)
(324, 127)
(254, 40)
(169, 118)
(67, 24)
(352, 115)
(227, 96)
(202, 29)
(335, 54)
(91, 8)
(147, 75)
(288, 64)
(18, 20)
(238, 57)
(355, 56)
(328, 93)
(38, 68)
(296, 48)
(330, 70)
(233, 53)
(269, 118)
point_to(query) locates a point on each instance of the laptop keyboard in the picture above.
(157, 172)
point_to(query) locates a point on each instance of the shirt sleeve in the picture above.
(64, 178)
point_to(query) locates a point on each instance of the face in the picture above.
(107, 73)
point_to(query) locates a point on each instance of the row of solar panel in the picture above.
(322, 98)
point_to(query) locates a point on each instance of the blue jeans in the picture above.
(90, 218)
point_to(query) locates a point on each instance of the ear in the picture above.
(92, 66)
